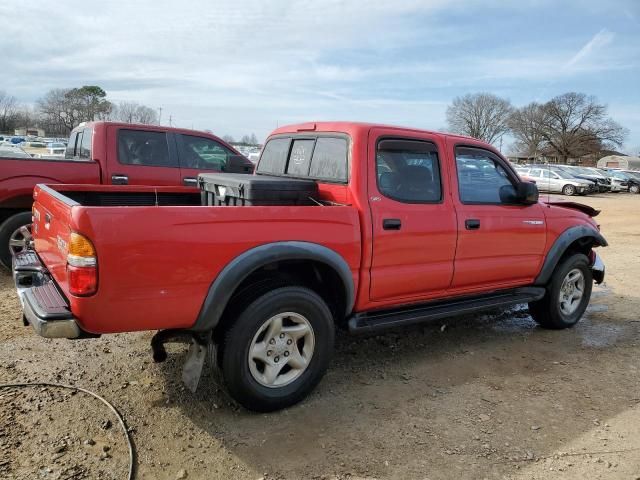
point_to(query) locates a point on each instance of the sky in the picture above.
(241, 67)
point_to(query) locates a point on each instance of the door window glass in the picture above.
(140, 147)
(408, 171)
(480, 176)
(203, 153)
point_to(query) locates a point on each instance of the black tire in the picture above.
(569, 190)
(547, 312)
(634, 188)
(242, 385)
(7, 228)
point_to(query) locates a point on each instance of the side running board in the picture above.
(384, 319)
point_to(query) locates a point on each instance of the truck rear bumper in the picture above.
(43, 306)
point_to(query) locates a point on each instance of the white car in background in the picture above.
(557, 181)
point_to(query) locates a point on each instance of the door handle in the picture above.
(472, 224)
(117, 179)
(391, 224)
(190, 181)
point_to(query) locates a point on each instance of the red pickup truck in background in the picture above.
(109, 153)
(407, 226)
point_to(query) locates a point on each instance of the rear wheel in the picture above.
(15, 236)
(569, 190)
(278, 349)
(567, 295)
(634, 188)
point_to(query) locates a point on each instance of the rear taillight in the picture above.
(82, 266)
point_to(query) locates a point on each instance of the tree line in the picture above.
(571, 125)
(62, 109)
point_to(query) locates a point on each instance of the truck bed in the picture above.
(157, 245)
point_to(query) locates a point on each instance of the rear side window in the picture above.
(139, 147)
(408, 171)
(84, 151)
(274, 156)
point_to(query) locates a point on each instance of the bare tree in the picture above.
(133, 112)
(228, 139)
(524, 124)
(574, 124)
(8, 112)
(482, 115)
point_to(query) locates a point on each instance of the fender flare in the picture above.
(560, 246)
(241, 267)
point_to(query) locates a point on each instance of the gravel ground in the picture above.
(483, 396)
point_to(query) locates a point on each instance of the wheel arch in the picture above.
(256, 259)
(579, 239)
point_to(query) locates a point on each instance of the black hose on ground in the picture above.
(95, 395)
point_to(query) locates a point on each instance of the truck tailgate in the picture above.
(52, 215)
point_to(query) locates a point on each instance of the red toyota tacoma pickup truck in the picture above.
(407, 226)
(109, 153)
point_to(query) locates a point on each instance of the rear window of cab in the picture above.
(323, 158)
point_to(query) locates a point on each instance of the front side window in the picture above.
(140, 147)
(408, 171)
(480, 176)
(203, 153)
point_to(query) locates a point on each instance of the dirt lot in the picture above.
(489, 396)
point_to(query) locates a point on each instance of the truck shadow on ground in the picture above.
(430, 387)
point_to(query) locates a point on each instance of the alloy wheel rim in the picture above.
(20, 240)
(571, 291)
(281, 350)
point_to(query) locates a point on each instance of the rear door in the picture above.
(140, 156)
(500, 245)
(414, 223)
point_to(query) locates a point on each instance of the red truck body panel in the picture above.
(165, 258)
(156, 263)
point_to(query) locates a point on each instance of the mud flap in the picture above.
(194, 364)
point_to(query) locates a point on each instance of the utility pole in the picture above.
(170, 121)
(160, 116)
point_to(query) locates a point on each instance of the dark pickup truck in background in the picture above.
(113, 154)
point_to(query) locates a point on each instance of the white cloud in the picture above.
(597, 42)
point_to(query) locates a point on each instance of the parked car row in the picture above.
(574, 180)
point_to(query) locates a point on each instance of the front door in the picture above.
(500, 244)
(414, 224)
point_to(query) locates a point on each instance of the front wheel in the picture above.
(634, 188)
(278, 349)
(15, 236)
(567, 295)
(569, 190)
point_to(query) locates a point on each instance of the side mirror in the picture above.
(524, 193)
(527, 193)
(238, 164)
